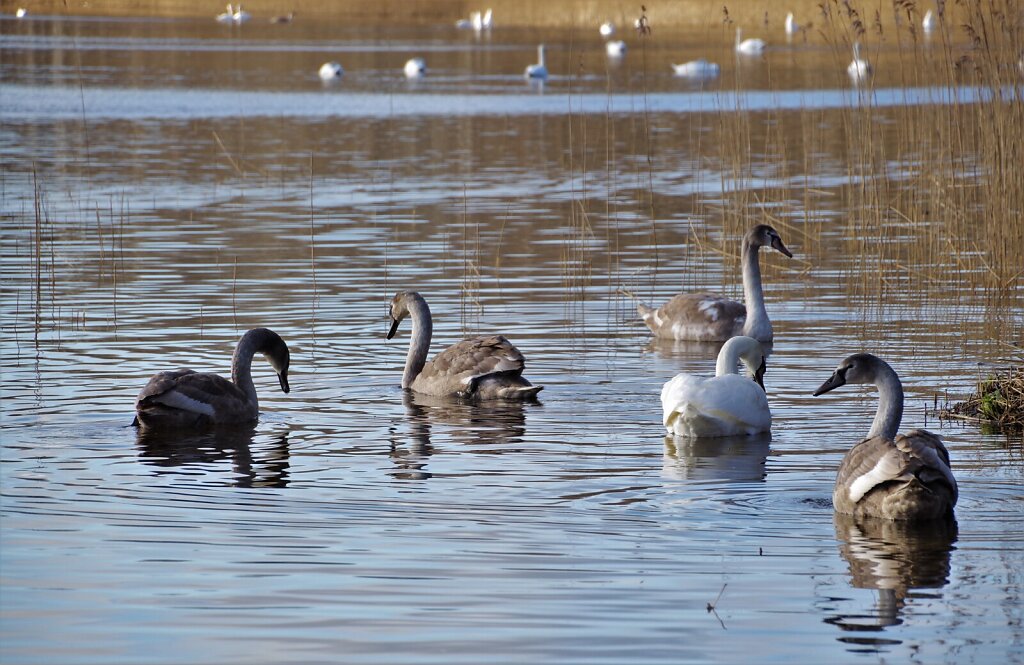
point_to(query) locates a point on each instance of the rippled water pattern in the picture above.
(358, 524)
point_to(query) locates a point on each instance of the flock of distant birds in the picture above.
(886, 475)
(859, 69)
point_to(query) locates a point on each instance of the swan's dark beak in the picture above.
(282, 378)
(394, 328)
(837, 379)
(778, 246)
(759, 374)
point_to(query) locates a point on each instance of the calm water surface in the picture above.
(168, 185)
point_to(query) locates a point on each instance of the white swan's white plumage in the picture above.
(748, 46)
(724, 405)
(697, 69)
(929, 22)
(227, 16)
(607, 29)
(791, 25)
(481, 22)
(415, 68)
(21, 13)
(615, 49)
(538, 70)
(859, 69)
(330, 71)
(240, 15)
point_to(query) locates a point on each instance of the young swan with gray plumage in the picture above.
(707, 317)
(480, 368)
(187, 399)
(889, 475)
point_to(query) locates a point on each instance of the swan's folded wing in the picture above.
(189, 391)
(473, 358)
(878, 460)
(695, 316)
(677, 392)
(931, 459)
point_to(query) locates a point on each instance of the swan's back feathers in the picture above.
(481, 367)
(714, 406)
(184, 398)
(478, 357)
(702, 317)
(905, 478)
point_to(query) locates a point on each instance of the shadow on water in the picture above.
(252, 464)
(495, 425)
(894, 559)
(727, 458)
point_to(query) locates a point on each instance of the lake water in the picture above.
(167, 185)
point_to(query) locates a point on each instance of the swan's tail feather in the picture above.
(520, 392)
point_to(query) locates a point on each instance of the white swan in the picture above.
(330, 71)
(415, 68)
(724, 405)
(859, 69)
(240, 15)
(227, 16)
(538, 70)
(697, 69)
(21, 13)
(706, 317)
(184, 398)
(748, 46)
(615, 49)
(791, 25)
(607, 29)
(480, 21)
(929, 22)
(477, 368)
(889, 475)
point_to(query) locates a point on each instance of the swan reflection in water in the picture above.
(701, 353)
(255, 461)
(894, 558)
(728, 458)
(493, 424)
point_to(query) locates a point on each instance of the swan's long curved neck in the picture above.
(540, 55)
(739, 36)
(890, 403)
(419, 346)
(757, 324)
(728, 358)
(241, 365)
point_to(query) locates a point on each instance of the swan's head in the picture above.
(276, 352)
(763, 235)
(399, 309)
(858, 368)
